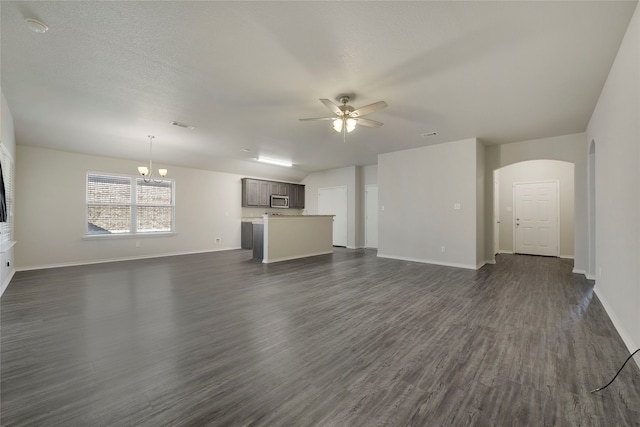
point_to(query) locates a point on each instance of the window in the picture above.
(120, 205)
(7, 166)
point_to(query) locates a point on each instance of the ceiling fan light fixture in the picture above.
(277, 162)
(349, 123)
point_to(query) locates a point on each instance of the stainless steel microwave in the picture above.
(279, 201)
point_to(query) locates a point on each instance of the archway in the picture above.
(532, 171)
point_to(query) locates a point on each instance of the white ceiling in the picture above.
(107, 74)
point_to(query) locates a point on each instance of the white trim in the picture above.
(132, 258)
(5, 285)
(505, 252)
(110, 236)
(584, 273)
(489, 261)
(631, 345)
(270, 261)
(428, 261)
(5, 246)
(566, 256)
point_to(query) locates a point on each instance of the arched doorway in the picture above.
(532, 172)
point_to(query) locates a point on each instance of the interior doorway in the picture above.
(333, 201)
(536, 218)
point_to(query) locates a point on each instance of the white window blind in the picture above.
(128, 205)
(6, 228)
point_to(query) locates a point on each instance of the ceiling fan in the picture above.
(346, 117)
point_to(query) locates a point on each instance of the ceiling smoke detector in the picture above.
(36, 26)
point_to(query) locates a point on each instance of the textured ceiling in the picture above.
(107, 74)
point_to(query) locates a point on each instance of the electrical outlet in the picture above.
(443, 249)
(218, 240)
(138, 244)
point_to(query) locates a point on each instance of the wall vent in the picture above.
(183, 125)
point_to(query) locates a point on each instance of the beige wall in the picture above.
(532, 171)
(418, 189)
(50, 202)
(615, 130)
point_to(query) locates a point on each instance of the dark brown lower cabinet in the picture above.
(246, 235)
(258, 241)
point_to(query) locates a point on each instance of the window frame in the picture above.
(133, 205)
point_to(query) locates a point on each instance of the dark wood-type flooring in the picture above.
(347, 339)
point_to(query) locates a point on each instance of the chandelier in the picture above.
(147, 172)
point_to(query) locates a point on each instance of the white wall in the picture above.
(531, 171)
(418, 189)
(347, 177)
(615, 129)
(567, 148)
(50, 207)
(7, 136)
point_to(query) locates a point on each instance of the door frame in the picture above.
(366, 213)
(515, 211)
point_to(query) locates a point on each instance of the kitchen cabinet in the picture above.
(296, 196)
(246, 235)
(256, 193)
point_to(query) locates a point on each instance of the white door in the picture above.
(536, 218)
(333, 201)
(371, 216)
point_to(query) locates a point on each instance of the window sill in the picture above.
(127, 235)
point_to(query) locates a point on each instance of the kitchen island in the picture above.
(286, 237)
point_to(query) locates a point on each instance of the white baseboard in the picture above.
(133, 258)
(631, 345)
(584, 273)
(566, 256)
(5, 285)
(428, 261)
(505, 252)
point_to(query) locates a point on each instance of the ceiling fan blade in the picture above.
(367, 109)
(331, 106)
(368, 122)
(318, 118)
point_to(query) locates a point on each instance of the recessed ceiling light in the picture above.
(426, 135)
(36, 26)
(275, 161)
